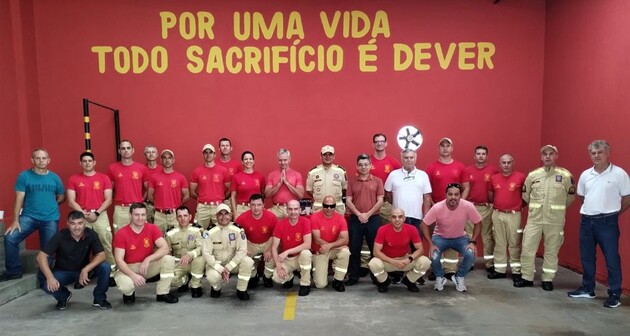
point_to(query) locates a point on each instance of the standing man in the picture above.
(258, 225)
(330, 242)
(283, 185)
(72, 248)
(505, 192)
(450, 217)
(548, 190)
(209, 185)
(129, 179)
(233, 166)
(364, 200)
(291, 249)
(327, 179)
(142, 253)
(225, 253)
(91, 193)
(604, 191)
(479, 176)
(38, 192)
(168, 190)
(151, 154)
(392, 253)
(184, 242)
(381, 166)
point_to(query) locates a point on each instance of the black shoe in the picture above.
(420, 281)
(490, 269)
(472, 268)
(112, 282)
(547, 285)
(288, 284)
(154, 278)
(516, 277)
(77, 285)
(373, 277)
(396, 277)
(352, 282)
(214, 293)
(304, 290)
(253, 282)
(496, 275)
(267, 282)
(338, 286)
(127, 299)
(104, 305)
(63, 304)
(383, 286)
(7, 277)
(196, 292)
(449, 275)
(183, 288)
(432, 276)
(363, 272)
(410, 285)
(523, 283)
(242, 295)
(168, 298)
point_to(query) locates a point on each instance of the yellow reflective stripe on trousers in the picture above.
(535, 205)
(500, 265)
(452, 261)
(488, 257)
(549, 270)
(515, 264)
(197, 275)
(558, 207)
(339, 269)
(243, 277)
(167, 275)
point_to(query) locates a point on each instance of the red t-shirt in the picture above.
(211, 183)
(258, 231)
(127, 181)
(151, 171)
(329, 228)
(396, 244)
(479, 180)
(382, 168)
(246, 185)
(291, 235)
(507, 190)
(284, 195)
(168, 189)
(441, 174)
(89, 189)
(137, 246)
(232, 166)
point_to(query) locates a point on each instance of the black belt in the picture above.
(601, 215)
(166, 211)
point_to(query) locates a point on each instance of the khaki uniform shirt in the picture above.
(224, 246)
(548, 194)
(322, 182)
(184, 241)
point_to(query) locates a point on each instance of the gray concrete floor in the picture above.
(490, 307)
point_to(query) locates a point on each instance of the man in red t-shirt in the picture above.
(168, 190)
(392, 252)
(209, 185)
(291, 249)
(330, 242)
(505, 191)
(283, 185)
(226, 161)
(259, 224)
(138, 258)
(151, 155)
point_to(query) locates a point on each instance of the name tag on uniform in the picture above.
(232, 236)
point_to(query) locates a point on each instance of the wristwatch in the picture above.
(410, 258)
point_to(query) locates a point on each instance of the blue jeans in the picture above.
(65, 278)
(28, 225)
(458, 244)
(602, 230)
(357, 232)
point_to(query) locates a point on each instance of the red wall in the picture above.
(587, 80)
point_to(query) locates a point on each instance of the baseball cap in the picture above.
(447, 140)
(208, 146)
(328, 149)
(554, 148)
(223, 206)
(167, 151)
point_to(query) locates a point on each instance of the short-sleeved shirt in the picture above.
(507, 190)
(89, 190)
(450, 223)
(284, 195)
(128, 182)
(258, 231)
(40, 194)
(397, 244)
(441, 174)
(232, 166)
(210, 183)
(365, 193)
(329, 228)
(137, 246)
(150, 171)
(408, 190)
(167, 189)
(381, 168)
(70, 254)
(322, 181)
(291, 235)
(479, 178)
(603, 192)
(246, 185)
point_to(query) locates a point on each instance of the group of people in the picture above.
(372, 222)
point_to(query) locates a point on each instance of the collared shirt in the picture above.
(71, 254)
(408, 190)
(365, 193)
(603, 192)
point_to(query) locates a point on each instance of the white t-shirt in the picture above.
(603, 192)
(408, 189)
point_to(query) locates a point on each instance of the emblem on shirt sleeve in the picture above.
(232, 237)
(572, 190)
(243, 235)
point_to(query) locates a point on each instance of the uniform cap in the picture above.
(223, 206)
(167, 151)
(208, 146)
(555, 149)
(328, 149)
(447, 140)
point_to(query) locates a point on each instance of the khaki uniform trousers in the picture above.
(340, 258)
(150, 212)
(240, 208)
(195, 268)
(243, 269)
(165, 267)
(121, 217)
(486, 233)
(301, 262)
(365, 254)
(256, 252)
(165, 221)
(507, 236)
(206, 214)
(413, 270)
(385, 212)
(279, 210)
(554, 237)
(104, 232)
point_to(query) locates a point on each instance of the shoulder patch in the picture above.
(205, 235)
(243, 235)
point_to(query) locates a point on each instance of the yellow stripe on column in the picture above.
(86, 119)
(87, 136)
(289, 306)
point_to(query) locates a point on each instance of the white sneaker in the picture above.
(439, 283)
(459, 283)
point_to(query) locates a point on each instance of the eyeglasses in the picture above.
(380, 141)
(329, 206)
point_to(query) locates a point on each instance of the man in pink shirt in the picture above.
(450, 216)
(283, 185)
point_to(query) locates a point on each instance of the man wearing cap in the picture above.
(505, 193)
(130, 180)
(168, 190)
(151, 155)
(548, 191)
(209, 185)
(185, 244)
(225, 252)
(327, 179)
(283, 185)
(381, 166)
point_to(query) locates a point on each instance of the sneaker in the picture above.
(439, 283)
(459, 283)
(168, 298)
(128, 299)
(582, 293)
(104, 305)
(612, 301)
(304, 290)
(410, 285)
(63, 304)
